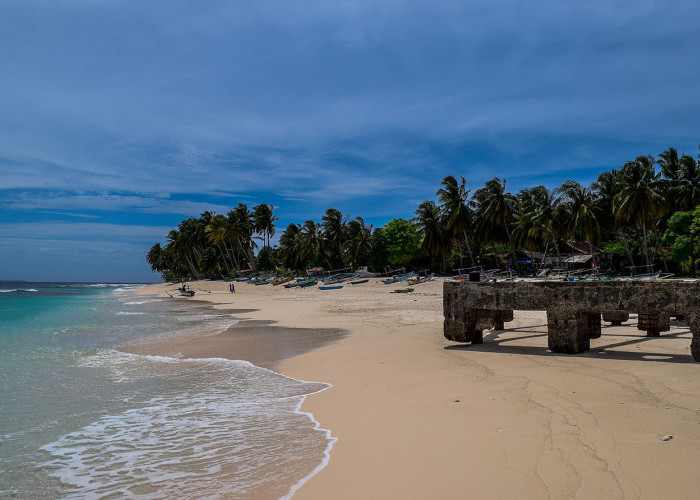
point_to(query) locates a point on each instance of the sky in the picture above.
(120, 118)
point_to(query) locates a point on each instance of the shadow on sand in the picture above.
(496, 341)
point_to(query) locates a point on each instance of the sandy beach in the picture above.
(417, 416)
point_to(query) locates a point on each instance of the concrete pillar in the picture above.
(465, 324)
(592, 323)
(501, 317)
(569, 331)
(654, 323)
(693, 322)
(616, 318)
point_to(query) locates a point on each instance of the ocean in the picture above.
(79, 418)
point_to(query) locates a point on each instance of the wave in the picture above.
(5, 290)
(128, 313)
(239, 425)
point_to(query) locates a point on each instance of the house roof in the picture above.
(583, 247)
(578, 259)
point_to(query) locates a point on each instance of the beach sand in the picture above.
(417, 416)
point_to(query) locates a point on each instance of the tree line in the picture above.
(644, 212)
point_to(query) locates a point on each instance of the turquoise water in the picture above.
(81, 419)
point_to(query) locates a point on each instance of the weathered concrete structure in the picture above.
(573, 308)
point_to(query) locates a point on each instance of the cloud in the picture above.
(82, 232)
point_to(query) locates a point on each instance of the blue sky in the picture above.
(119, 118)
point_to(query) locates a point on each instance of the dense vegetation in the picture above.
(645, 212)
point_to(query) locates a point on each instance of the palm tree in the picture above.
(240, 228)
(217, 231)
(669, 164)
(454, 197)
(333, 227)
(639, 199)
(311, 248)
(264, 221)
(434, 234)
(495, 208)
(582, 211)
(358, 242)
(543, 205)
(289, 247)
(687, 190)
(154, 257)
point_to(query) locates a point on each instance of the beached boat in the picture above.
(358, 282)
(282, 281)
(305, 284)
(185, 291)
(402, 290)
(335, 287)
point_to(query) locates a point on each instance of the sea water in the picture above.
(81, 419)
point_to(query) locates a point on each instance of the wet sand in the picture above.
(417, 416)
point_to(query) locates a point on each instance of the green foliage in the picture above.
(401, 240)
(682, 238)
(614, 247)
(265, 261)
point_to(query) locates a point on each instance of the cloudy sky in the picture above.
(119, 118)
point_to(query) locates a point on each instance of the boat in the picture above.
(420, 279)
(305, 284)
(186, 291)
(358, 282)
(335, 287)
(402, 290)
(282, 281)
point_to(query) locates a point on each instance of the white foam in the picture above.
(127, 313)
(138, 303)
(10, 290)
(236, 421)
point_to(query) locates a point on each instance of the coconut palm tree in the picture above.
(669, 164)
(495, 209)
(264, 221)
(541, 215)
(687, 189)
(217, 232)
(456, 211)
(154, 257)
(312, 244)
(241, 229)
(358, 242)
(333, 227)
(434, 234)
(582, 210)
(289, 246)
(639, 199)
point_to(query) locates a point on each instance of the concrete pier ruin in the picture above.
(574, 309)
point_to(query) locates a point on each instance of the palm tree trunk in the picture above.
(469, 248)
(556, 247)
(657, 244)
(644, 231)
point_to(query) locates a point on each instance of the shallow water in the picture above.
(81, 419)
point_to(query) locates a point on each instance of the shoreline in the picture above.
(416, 415)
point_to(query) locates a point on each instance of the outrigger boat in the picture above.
(305, 284)
(336, 287)
(358, 282)
(282, 281)
(186, 291)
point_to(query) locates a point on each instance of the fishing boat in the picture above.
(305, 284)
(334, 287)
(358, 282)
(185, 291)
(282, 281)
(403, 290)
